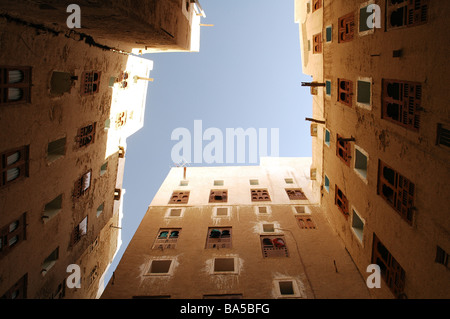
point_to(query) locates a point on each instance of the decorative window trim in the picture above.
(86, 135)
(295, 194)
(167, 238)
(345, 92)
(179, 197)
(413, 14)
(219, 237)
(316, 5)
(401, 192)
(80, 188)
(443, 135)
(79, 231)
(12, 234)
(305, 222)
(20, 163)
(274, 246)
(341, 202)
(343, 150)
(317, 43)
(90, 82)
(260, 195)
(409, 103)
(24, 85)
(218, 196)
(346, 28)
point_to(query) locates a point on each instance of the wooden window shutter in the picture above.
(317, 4)
(86, 135)
(343, 150)
(397, 190)
(401, 103)
(317, 43)
(346, 28)
(15, 85)
(179, 197)
(345, 92)
(295, 194)
(90, 82)
(341, 201)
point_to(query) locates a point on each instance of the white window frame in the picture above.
(363, 105)
(268, 210)
(360, 239)
(357, 171)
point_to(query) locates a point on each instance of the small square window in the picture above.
(357, 225)
(175, 212)
(49, 262)
(326, 183)
(286, 288)
(160, 267)
(184, 183)
(221, 212)
(103, 168)
(360, 162)
(52, 208)
(79, 231)
(262, 210)
(327, 138)
(254, 182)
(313, 173)
(82, 185)
(289, 181)
(299, 209)
(364, 16)
(442, 257)
(268, 228)
(329, 33)
(56, 149)
(100, 209)
(364, 93)
(224, 265)
(218, 183)
(328, 88)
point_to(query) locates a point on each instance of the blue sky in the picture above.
(247, 74)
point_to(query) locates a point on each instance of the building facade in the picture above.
(243, 232)
(67, 107)
(380, 135)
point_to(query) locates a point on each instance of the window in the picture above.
(167, 238)
(259, 195)
(295, 194)
(299, 210)
(341, 201)
(287, 288)
(443, 135)
(406, 13)
(391, 271)
(121, 152)
(218, 237)
(100, 209)
(329, 33)
(218, 196)
(401, 103)
(18, 290)
(117, 193)
(121, 119)
(313, 173)
(14, 164)
(345, 91)
(160, 267)
(90, 82)
(326, 183)
(317, 43)
(346, 25)
(313, 129)
(56, 149)
(442, 257)
(103, 168)
(225, 265)
(364, 95)
(328, 88)
(82, 185)
(184, 183)
(52, 208)
(179, 197)
(221, 211)
(357, 225)
(15, 85)
(305, 222)
(343, 150)
(263, 210)
(50, 261)
(218, 183)
(274, 246)
(175, 212)
(254, 182)
(327, 138)
(268, 228)
(317, 4)
(363, 18)
(79, 231)
(86, 135)
(289, 181)
(397, 190)
(361, 159)
(61, 82)
(12, 234)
